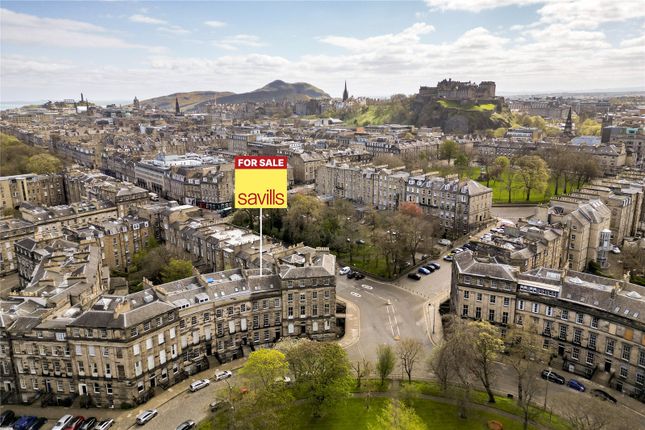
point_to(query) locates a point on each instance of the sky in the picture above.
(112, 50)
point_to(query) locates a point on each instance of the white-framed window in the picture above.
(535, 308)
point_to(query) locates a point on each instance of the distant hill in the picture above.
(187, 101)
(277, 91)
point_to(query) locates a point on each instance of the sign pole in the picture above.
(261, 242)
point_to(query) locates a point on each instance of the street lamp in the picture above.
(546, 392)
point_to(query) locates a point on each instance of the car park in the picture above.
(414, 276)
(220, 376)
(7, 417)
(576, 385)
(344, 271)
(423, 271)
(62, 422)
(75, 423)
(358, 276)
(199, 384)
(146, 416)
(448, 258)
(603, 395)
(552, 377)
(104, 425)
(24, 422)
(186, 425)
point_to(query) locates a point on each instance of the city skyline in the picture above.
(116, 50)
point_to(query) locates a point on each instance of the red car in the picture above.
(75, 423)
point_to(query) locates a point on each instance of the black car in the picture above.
(435, 266)
(186, 425)
(429, 267)
(358, 275)
(37, 424)
(414, 276)
(604, 395)
(7, 418)
(552, 377)
(88, 424)
(351, 274)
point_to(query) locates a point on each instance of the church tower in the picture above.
(345, 93)
(568, 125)
(177, 111)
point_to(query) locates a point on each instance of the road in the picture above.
(513, 213)
(391, 311)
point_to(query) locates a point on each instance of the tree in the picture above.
(534, 173)
(487, 162)
(44, 163)
(462, 163)
(500, 132)
(448, 150)
(525, 354)
(389, 160)
(397, 416)
(485, 344)
(362, 369)
(414, 230)
(508, 173)
(302, 222)
(176, 269)
(385, 361)
(264, 367)
(499, 166)
(321, 372)
(591, 413)
(409, 351)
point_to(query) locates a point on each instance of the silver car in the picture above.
(199, 384)
(146, 416)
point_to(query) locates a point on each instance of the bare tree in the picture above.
(440, 363)
(409, 351)
(591, 413)
(363, 369)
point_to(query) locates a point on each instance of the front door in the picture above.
(153, 381)
(82, 388)
(607, 365)
(48, 386)
(560, 349)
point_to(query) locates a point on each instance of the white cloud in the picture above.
(477, 5)
(232, 43)
(409, 35)
(215, 24)
(173, 29)
(144, 19)
(22, 28)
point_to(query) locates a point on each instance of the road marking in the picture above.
(367, 287)
(387, 308)
(355, 294)
(396, 321)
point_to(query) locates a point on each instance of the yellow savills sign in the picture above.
(260, 182)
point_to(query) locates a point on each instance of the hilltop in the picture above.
(277, 91)
(187, 101)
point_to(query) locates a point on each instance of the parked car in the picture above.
(186, 425)
(423, 270)
(104, 425)
(220, 376)
(199, 384)
(344, 271)
(24, 422)
(603, 395)
(469, 246)
(428, 267)
(351, 274)
(414, 276)
(6, 418)
(37, 424)
(457, 250)
(146, 416)
(219, 404)
(75, 423)
(615, 250)
(578, 386)
(88, 424)
(62, 422)
(448, 258)
(435, 266)
(358, 275)
(444, 242)
(552, 377)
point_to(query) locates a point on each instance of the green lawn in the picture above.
(366, 258)
(518, 194)
(451, 104)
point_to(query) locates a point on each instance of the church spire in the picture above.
(568, 125)
(177, 111)
(345, 93)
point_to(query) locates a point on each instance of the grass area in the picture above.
(518, 194)
(365, 258)
(452, 104)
